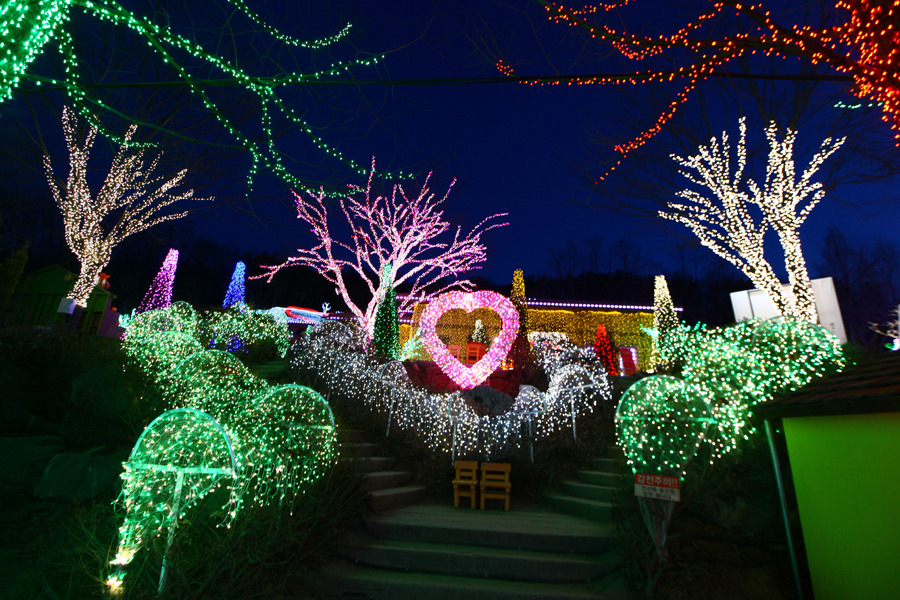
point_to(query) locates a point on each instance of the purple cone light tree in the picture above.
(160, 293)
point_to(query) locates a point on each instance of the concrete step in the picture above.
(347, 581)
(380, 480)
(368, 464)
(477, 561)
(579, 489)
(395, 497)
(348, 434)
(582, 507)
(359, 449)
(599, 478)
(532, 529)
(609, 465)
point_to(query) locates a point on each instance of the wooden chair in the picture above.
(495, 482)
(456, 351)
(465, 481)
(474, 352)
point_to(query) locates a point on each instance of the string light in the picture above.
(235, 292)
(225, 430)
(728, 227)
(402, 230)
(129, 202)
(159, 294)
(467, 376)
(444, 421)
(27, 26)
(865, 45)
(557, 304)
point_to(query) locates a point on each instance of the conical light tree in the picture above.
(159, 294)
(603, 348)
(131, 200)
(236, 287)
(664, 317)
(386, 335)
(721, 217)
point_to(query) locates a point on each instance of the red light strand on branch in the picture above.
(866, 45)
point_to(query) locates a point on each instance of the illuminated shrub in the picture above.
(661, 422)
(243, 331)
(226, 429)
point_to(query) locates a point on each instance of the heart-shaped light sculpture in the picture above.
(465, 376)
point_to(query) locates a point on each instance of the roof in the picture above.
(870, 387)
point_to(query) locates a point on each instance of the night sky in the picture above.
(521, 149)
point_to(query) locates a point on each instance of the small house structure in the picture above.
(40, 292)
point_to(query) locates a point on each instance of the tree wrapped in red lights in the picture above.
(603, 348)
(403, 230)
(131, 200)
(864, 47)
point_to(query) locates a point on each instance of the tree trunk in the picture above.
(86, 281)
(798, 275)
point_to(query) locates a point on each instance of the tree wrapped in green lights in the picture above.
(269, 82)
(661, 423)
(386, 332)
(738, 367)
(239, 329)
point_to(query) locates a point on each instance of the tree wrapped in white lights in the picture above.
(130, 201)
(399, 229)
(724, 223)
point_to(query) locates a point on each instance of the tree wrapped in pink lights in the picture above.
(130, 201)
(405, 230)
(159, 295)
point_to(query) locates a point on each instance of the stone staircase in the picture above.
(385, 486)
(438, 552)
(590, 492)
(405, 548)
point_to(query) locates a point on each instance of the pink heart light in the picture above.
(468, 377)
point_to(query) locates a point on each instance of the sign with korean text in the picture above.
(661, 487)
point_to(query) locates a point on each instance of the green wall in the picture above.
(846, 471)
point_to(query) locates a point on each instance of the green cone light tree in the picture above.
(386, 333)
